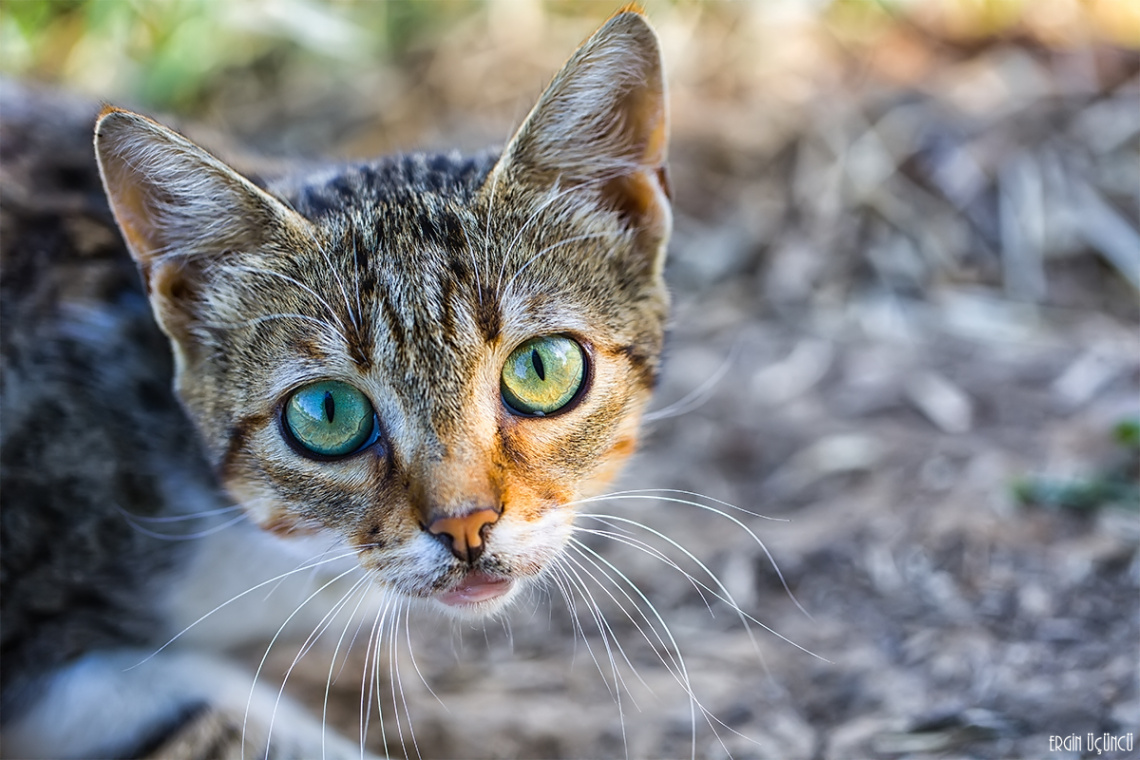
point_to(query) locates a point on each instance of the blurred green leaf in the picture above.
(1127, 433)
(1078, 495)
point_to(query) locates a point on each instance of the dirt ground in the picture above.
(905, 330)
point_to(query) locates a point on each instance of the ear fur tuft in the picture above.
(637, 8)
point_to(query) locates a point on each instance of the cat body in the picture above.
(398, 375)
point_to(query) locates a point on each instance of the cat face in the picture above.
(429, 359)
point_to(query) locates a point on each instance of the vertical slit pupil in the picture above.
(536, 360)
(330, 406)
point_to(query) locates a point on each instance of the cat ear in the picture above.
(602, 124)
(179, 209)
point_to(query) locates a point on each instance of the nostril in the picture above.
(463, 535)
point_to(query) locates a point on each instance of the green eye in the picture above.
(543, 374)
(330, 418)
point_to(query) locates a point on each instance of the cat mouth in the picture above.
(474, 588)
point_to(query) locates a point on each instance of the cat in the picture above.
(402, 374)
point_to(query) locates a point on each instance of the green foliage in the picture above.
(1127, 434)
(1116, 486)
(170, 54)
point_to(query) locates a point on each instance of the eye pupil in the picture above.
(329, 418)
(543, 375)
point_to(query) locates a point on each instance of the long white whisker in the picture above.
(416, 666)
(397, 685)
(709, 717)
(474, 263)
(269, 647)
(309, 643)
(298, 284)
(697, 397)
(179, 518)
(557, 578)
(184, 536)
(653, 493)
(682, 673)
(656, 494)
(365, 588)
(723, 595)
(487, 228)
(231, 600)
(613, 634)
(555, 195)
(371, 667)
(252, 321)
(622, 536)
(336, 276)
(606, 634)
(570, 584)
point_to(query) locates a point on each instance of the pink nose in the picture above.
(463, 535)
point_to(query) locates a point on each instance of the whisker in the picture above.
(681, 675)
(674, 669)
(301, 286)
(269, 647)
(697, 397)
(336, 275)
(393, 677)
(606, 634)
(416, 666)
(253, 321)
(179, 518)
(330, 679)
(723, 595)
(315, 569)
(564, 574)
(487, 229)
(309, 643)
(372, 664)
(556, 577)
(624, 536)
(232, 599)
(555, 194)
(183, 536)
(653, 493)
(474, 262)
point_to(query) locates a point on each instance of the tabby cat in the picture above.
(403, 372)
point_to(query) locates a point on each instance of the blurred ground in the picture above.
(906, 267)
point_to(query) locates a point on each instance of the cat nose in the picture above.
(463, 535)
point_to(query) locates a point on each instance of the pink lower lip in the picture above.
(475, 587)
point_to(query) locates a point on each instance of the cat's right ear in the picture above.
(180, 210)
(601, 128)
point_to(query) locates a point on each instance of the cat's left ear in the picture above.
(172, 199)
(602, 126)
(181, 212)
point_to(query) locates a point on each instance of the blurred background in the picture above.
(906, 267)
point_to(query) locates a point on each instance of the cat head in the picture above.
(431, 359)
